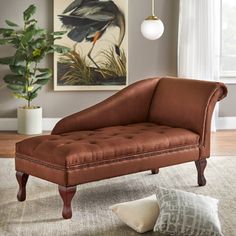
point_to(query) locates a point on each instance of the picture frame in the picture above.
(97, 34)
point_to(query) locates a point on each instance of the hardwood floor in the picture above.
(223, 143)
(8, 141)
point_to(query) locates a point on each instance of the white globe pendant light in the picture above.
(152, 28)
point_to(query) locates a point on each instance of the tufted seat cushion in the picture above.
(84, 149)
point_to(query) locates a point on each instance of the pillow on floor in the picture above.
(187, 214)
(140, 215)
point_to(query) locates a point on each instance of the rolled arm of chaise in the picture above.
(129, 105)
(205, 144)
(189, 104)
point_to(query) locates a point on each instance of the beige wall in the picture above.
(146, 58)
(227, 106)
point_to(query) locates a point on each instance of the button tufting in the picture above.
(93, 142)
(160, 132)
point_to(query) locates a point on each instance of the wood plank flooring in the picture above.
(223, 143)
(8, 140)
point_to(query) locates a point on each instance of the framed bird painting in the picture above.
(96, 33)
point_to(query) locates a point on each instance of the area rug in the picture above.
(40, 214)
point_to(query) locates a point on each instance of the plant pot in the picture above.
(29, 120)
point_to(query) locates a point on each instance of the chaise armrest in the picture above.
(188, 104)
(130, 105)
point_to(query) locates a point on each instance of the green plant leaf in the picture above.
(7, 60)
(28, 37)
(60, 49)
(16, 87)
(14, 80)
(36, 53)
(19, 95)
(6, 32)
(41, 81)
(4, 41)
(20, 70)
(39, 43)
(33, 21)
(45, 75)
(10, 23)
(37, 31)
(37, 89)
(34, 94)
(30, 11)
(14, 41)
(44, 70)
(18, 58)
(40, 32)
(30, 28)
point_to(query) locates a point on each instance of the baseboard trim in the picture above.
(226, 123)
(10, 124)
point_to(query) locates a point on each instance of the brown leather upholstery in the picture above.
(150, 124)
(187, 104)
(130, 105)
(83, 149)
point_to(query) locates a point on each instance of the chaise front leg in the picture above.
(155, 171)
(22, 181)
(67, 194)
(201, 165)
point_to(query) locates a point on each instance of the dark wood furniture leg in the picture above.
(67, 194)
(201, 165)
(22, 181)
(155, 171)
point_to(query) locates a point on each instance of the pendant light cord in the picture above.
(153, 7)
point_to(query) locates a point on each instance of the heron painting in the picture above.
(96, 32)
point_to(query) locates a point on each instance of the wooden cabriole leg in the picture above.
(22, 181)
(155, 171)
(67, 194)
(201, 165)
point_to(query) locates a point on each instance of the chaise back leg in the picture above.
(155, 171)
(201, 165)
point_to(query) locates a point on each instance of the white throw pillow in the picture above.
(140, 215)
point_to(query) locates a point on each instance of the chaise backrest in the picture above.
(130, 105)
(186, 103)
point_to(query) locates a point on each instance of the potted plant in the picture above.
(32, 44)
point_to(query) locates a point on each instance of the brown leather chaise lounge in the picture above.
(148, 125)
